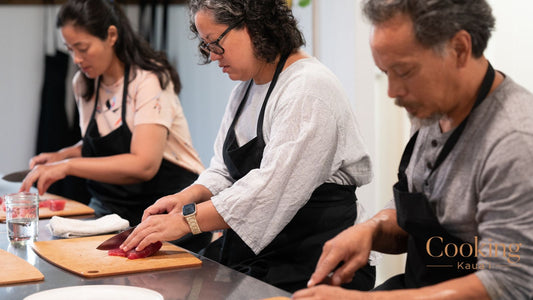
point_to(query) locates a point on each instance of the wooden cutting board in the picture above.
(72, 208)
(81, 257)
(17, 270)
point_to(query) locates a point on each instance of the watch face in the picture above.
(189, 209)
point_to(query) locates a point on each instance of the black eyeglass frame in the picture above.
(214, 46)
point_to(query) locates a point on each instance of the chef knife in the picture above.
(16, 176)
(116, 240)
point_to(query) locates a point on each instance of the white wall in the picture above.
(21, 72)
(511, 46)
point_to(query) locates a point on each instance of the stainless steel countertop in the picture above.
(210, 281)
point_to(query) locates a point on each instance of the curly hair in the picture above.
(270, 23)
(437, 21)
(95, 16)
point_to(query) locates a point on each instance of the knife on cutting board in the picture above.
(16, 176)
(116, 240)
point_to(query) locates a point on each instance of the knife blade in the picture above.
(116, 240)
(16, 176)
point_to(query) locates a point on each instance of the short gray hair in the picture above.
(437, 21)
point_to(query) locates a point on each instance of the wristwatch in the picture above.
(189, 213)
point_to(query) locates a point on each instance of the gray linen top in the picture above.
(311, 137)
(484, 188)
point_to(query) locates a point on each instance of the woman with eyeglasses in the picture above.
(288, 155)
(136, 145)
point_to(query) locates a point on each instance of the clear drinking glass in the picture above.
(22, 217)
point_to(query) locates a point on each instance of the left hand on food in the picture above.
(164, 227)
(45, 176)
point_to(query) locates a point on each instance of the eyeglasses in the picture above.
(215, 47)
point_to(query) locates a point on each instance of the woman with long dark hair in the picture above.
(136, 145)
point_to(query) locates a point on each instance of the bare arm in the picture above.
(388, 237)
(172, 226)
(141, 164)
(50, 157)
(174, 203)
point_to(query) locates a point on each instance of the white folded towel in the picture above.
(71, 228)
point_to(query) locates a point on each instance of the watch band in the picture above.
(191, 218)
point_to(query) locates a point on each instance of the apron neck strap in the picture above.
(279, 68)
(484, 90)
(124, 92)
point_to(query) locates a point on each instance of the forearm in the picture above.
(468, 287)
(116, 169)
(387, 236)
(208, 217)
(196, 193)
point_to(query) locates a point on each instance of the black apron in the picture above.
(129, 201)
(416, 216)
(290, 259)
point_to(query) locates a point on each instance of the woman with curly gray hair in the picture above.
(288, 155)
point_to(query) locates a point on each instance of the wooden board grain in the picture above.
(81, 257)
(72, 208)
(17, 270)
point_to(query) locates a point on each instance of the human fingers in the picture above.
(162, 205)
(26, 184)
(305, 294)
(44, 183)
(150, 238)
(48, 174)
(153, 209)
(35, 161)
(346, 271)
(133, 240)
(353, 257)
(40, 159)
(155, 228)
(328, 260)
(29, 180)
